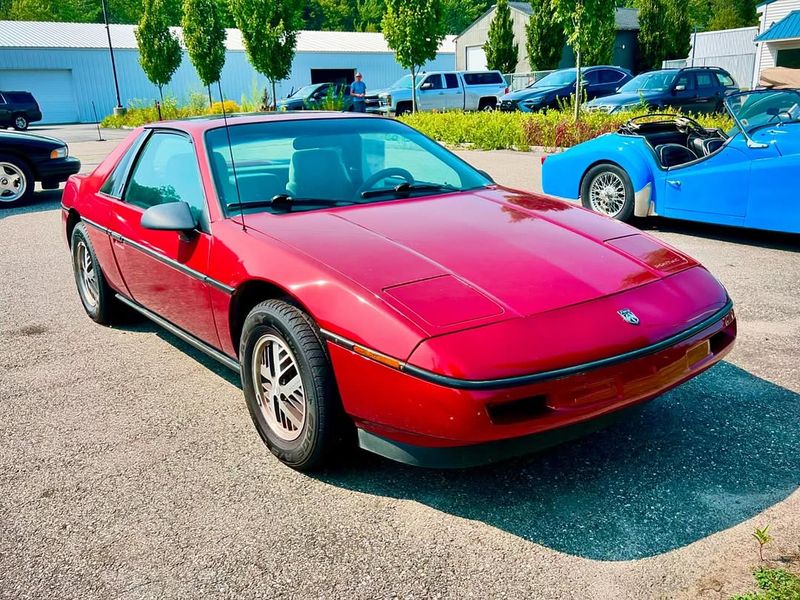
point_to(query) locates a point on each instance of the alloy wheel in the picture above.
(21, 123)
(607, 193)
(13, 182)
(87, 280)
(279, 387)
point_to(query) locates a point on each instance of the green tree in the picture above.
(159, 50)
(269, 31)
(665, 32)
(413, 29)
(679, 30)
(204, 36)
(500, 48)
(589, 26)
(460, 14)
(731, 14)
(544, 37)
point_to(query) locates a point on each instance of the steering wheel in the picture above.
(691, 125)
(777, 116)
(383, 174)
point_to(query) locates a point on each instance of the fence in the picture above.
(517, 81)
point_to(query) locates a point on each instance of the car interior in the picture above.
(676, 140)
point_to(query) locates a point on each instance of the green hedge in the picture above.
(495, 130)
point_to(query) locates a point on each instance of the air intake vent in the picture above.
(517, 411)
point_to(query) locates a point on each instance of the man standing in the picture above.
(358, 91)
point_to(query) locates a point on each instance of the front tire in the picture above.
(289, 385)
(16, 182)
(607, 189)
(95, 294)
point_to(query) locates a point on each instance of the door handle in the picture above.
(674, 183)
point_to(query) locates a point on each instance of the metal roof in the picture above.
(626, 18)
(41, 34)
(788, 28)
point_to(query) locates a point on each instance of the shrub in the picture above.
(519, 131)
(774, 584)
(140, 112)
(230, 107)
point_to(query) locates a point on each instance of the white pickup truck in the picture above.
(441, 90)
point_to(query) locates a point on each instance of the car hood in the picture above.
(624, 98)
(8, 137)
(529, 93)
(494, 253)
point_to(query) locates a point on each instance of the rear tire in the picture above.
(96, 295)
(289, 385)
(607, 189)
(20, 122)
(16, 182)
(487, 104)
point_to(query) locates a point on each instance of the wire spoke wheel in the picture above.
(87, 275)
(607, 193)
(13, 182)
(278, 387)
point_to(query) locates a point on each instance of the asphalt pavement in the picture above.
(129, 467)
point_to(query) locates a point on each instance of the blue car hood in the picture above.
(529, 93)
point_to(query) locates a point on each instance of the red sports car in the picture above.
(363, 279)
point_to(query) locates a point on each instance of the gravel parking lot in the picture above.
(129, 467)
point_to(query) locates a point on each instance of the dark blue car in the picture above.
(690, 90)
(559, 85)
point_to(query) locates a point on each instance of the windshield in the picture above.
(655, 81)
(404, 82)
(305, 91)
(764, 107)
(555, 79)
(313, 163)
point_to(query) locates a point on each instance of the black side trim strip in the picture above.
(161, 258)
(181, 334)
(518, 380)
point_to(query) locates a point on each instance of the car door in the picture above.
(683, 93)
(430, 94)
(453, 94)
(709, 92)
(714, 189)
(5, 112)
(591, 84)
(164, 271)
(609, 81)
(773, 189)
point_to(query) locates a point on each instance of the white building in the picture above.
(67, 66)
(778, 40)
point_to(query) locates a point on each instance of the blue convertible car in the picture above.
(671, 166)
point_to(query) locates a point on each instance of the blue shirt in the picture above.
(358, 87)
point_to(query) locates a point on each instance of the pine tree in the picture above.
(544, 37)
(160, 51)
(501, 49)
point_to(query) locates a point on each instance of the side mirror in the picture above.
(172, 216)
(426, 86)
(679, 88)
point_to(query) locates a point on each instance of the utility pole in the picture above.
(118, 109)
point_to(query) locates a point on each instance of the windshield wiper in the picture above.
(406, 188)
(285, 200)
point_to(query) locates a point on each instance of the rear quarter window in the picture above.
(19, 97)
(489, 78)
(725, 79)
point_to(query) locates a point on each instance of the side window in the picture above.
(706, 80)
(167, 171)
(2, 99)
(686, 80)
(609, 76)
(592, 77)
(725, 79)
(114, 185)
(451, 80)
(434, 80)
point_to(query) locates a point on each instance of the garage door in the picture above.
(52, 89)
(476, 58)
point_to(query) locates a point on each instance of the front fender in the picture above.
(563, 173)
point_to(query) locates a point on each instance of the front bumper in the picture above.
(57, 170)
(425, 423)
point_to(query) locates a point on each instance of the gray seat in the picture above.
(255, 187)
(223, 179)
(672, 155)
(712, 145)
(318, 173)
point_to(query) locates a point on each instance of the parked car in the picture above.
(669, 165)
(367, 283)
(25, 159)
(690, 90)
(442, 90)
(311, 96)
(18, 110)
(557, 87)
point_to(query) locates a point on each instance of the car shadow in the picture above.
(42, 201)
(753, 237)
(700, 459)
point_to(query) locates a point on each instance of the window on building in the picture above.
(789, 57)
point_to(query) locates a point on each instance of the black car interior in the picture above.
(676, 140)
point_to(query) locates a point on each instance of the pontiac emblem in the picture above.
(628, 316)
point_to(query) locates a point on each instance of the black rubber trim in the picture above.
(519, 380)
(181, 334)
(161, 258)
